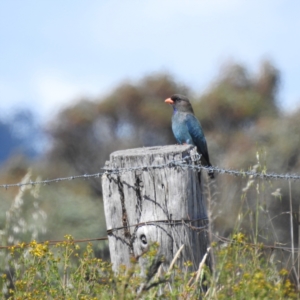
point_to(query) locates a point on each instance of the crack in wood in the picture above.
(139, 205)
(124, 212)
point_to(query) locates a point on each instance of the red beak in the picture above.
(169, 100)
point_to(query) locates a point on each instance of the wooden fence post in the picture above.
(155, 204)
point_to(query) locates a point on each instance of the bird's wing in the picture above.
(196, 132)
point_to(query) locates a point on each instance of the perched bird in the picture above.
(187, 128)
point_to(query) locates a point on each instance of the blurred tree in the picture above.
(131, 116)
(11, 142)
(237, 100)
(16, 134)
(134, 115)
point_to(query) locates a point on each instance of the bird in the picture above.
(187, 128)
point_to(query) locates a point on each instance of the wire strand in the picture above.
(218, 237)
(183, 163)
(53, 242)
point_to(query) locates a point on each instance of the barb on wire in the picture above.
(186, 162)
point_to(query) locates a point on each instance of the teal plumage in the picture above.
(187, 128)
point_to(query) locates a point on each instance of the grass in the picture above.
(64, 271)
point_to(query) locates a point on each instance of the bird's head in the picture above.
(180, 103)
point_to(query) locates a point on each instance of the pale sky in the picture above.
(53, 52)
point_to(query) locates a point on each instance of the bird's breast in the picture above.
(180, 129)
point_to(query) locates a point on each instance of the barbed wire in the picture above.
(49, 181)
(164, 222)
(186, 162)
(54, 242)
(257, 245)
(222, 239)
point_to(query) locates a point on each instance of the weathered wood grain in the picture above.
(171, 194)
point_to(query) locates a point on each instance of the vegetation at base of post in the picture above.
(65, 271)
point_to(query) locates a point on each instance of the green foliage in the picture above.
(239, 99)
(24, 219)
(38, 213)
(243, 272)
(64, 272)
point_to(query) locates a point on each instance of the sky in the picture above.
(53, 52)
